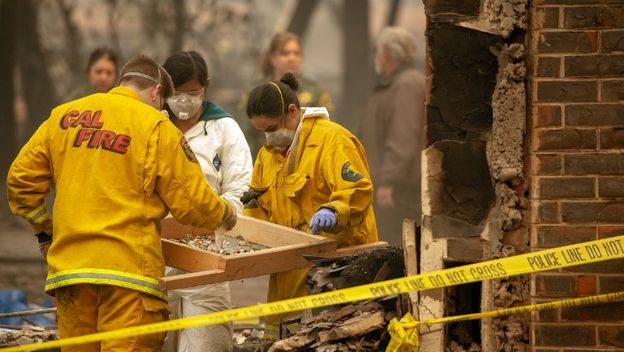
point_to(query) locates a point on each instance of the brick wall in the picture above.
(576, 143)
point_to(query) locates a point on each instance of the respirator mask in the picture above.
(185, 105)
(281, 138)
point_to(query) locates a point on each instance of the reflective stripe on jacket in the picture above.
(119, 166)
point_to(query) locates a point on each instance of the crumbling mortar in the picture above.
(510, 207)
(511, 291)
(500, 17)
(506, 15)
(505, 153)
(509, 115)
(512, 333)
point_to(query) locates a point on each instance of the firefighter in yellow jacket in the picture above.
(119, 166)
(312, 175)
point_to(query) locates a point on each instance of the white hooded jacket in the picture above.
(222, 152)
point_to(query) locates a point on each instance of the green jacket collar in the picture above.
(212, 111)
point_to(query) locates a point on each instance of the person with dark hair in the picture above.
(101, 73)
(285, 55)
(224, 157)
(311, 175)
(119, 166)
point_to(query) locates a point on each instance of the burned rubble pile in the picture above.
(25, 336)
(354, 327)
(360, 326)
(250, 339)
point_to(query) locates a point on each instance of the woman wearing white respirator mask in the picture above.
(186, 105)
(312, 175)
(284, 54)
(223, 154)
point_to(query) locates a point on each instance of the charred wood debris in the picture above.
(359, 326)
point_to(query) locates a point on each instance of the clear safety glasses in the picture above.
(183, 96)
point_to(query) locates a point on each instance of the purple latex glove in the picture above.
(323, 220)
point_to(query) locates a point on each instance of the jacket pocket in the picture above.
(155, 310)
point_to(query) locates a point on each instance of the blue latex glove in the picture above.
(323, 220)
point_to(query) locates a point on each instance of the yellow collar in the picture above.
(125, 91)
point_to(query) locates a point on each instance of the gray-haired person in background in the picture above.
(392, 132)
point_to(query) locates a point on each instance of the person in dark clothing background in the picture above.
(393, 132)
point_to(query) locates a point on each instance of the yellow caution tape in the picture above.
(555, 258)
(404, 332)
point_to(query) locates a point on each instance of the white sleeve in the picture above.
(236, 163)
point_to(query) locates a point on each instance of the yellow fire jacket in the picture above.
(119, 166)
(328, 169)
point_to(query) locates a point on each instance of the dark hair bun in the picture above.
(273, 98)
(290, 80)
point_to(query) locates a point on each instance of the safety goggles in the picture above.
(193, 94)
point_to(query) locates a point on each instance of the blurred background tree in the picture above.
(8, 132)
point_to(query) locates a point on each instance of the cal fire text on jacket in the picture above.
(91, 135)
